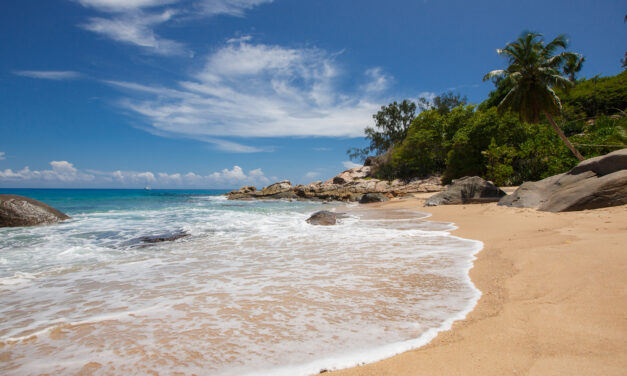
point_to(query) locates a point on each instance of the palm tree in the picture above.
(533, 72)
(573, 65)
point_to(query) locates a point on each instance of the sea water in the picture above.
(253, 290)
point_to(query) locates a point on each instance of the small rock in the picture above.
(325, 218)
(163, 237)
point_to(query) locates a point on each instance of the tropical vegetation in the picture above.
(505, 139)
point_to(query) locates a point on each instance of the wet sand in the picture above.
(554, 296)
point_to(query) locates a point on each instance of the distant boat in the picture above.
(147, 188)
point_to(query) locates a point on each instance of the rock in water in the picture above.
(164, 237)
(23, 211)
(467, 190)
(594, 183)
(372, 197)
(325, 218)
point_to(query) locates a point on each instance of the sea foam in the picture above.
(254, 290)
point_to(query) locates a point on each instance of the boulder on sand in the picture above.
(23, 211)
(467, 190)
(594, 183)
(325, 218)
(373, 197)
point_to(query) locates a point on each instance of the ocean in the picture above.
(253, 289)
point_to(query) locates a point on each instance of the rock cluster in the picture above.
(350, 185)
(594, 183)
(467, 190)
(23, 211)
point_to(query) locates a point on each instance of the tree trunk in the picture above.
(563, 137)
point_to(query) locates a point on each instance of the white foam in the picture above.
(255, 280)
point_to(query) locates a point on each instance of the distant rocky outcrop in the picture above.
(23, 211)
(467, 190)
(594, 183)
(349, 185)
(325, 218)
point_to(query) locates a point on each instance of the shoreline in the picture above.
(552, 301)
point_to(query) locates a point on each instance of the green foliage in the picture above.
(595, 96)
(467, 142)
(442, 103)
(391, 124)
(603, 135)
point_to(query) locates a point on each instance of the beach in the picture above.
(553, 302)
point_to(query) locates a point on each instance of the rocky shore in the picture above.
(350, 185)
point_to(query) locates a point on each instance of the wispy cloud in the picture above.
(137, 29)
(133, 22)
(378, 80)
(123, 5)
(49, 75)
(229, 7)
(257, 90)
(2, 155)
(349, 164)
(63, 172)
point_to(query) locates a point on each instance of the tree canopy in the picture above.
(533, 72)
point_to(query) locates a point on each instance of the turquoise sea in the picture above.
(251, 289)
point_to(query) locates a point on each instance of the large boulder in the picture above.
(325, 218)
(373, 197)
(594, 183)
(23, 211)
(467, 190)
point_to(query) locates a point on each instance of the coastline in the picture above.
(553, 298)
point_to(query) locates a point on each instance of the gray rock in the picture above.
(325, 218)
(23, 211)
(163, 237)
(594, 183)
(373, 197)
(467, 190)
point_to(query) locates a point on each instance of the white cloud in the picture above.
(229, 7)
(258, 90)
(49, 75)
(123, 5)
(2, 155)
(378, 80)
(137, 29)
(64, 173)
(133, 21)
(312, 175)
(349, 164)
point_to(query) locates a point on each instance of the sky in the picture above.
(220, 94)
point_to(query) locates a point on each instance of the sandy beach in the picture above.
(554, 296)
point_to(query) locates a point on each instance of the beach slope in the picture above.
(554, 296)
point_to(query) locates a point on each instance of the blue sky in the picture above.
(218, 93)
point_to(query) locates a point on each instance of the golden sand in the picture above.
(554, 296)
